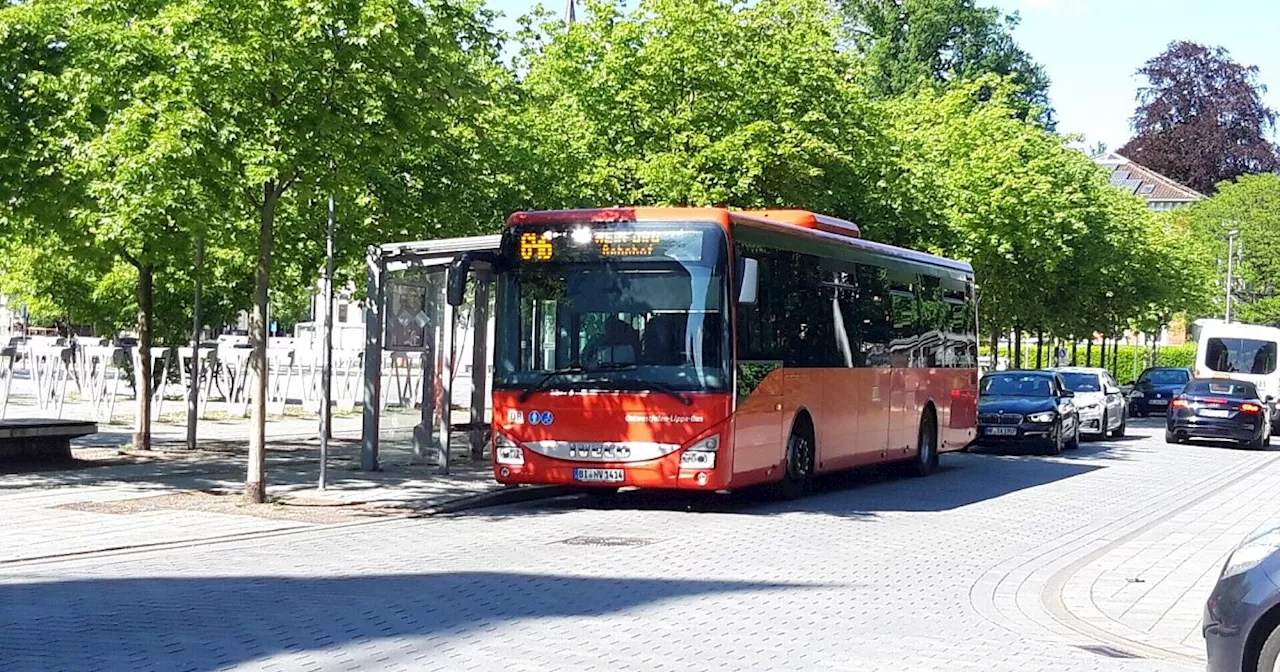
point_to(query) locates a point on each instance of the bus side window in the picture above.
(871, 315)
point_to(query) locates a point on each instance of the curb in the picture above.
(516, 495)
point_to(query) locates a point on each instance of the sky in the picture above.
(1092, 49)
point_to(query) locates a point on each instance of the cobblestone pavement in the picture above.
(1097, 560)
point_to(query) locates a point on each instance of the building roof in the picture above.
(1145, 183)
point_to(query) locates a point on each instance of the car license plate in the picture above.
(1158, 402)
(1002, 431)
(1213, 413)
(599, 475)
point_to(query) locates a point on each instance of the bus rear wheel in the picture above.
(926, 461)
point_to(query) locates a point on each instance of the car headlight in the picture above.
(1252, 553)
(506, 451)
(1137, 395)
(1047, 416)
(701, 455)
(1089, 407)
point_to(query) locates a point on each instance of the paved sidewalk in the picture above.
(124, 500)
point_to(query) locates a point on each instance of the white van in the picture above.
(1241, 351)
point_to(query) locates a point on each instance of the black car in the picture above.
(1027, 409)
(1155, 388)
(1219, 408)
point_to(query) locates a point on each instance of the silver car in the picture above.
(1102, 406)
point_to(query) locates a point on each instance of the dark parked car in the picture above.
(1155, 388)
(1242, 617)
(1219, 408)
(1027, 409)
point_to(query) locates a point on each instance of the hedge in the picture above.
(1180, 355)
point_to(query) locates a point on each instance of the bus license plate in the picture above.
(1002, 431)
(599, 475)
(1211, 413)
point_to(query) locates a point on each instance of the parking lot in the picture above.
(1096, 560)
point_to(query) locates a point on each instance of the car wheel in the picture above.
(1124, 424)
(1074, 443)
(1170, 437)
(1270, 653)
(799, 465)
(927, 452)
(1055, 444)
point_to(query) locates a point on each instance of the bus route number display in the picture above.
(678, 245)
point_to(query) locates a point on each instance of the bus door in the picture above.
(903, 351)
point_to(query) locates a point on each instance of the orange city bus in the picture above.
(710, 349)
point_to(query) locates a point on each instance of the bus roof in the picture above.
(793, 222)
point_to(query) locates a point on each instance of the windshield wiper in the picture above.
(572, 368)
(663, 388)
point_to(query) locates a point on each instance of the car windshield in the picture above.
(1016, 385)
(1082, 382)
(1222, 388)
(1241, 355)
(1166, 377)
(613, 305)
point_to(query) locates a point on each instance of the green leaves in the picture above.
(1250, 205)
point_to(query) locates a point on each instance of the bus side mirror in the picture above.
(748, 280)
(459, 269)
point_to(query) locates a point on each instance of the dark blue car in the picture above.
(1155, 388)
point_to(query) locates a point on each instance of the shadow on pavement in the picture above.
(209, 623)
(861, 493)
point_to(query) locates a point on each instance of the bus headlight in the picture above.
(701, 455)
(505, 451)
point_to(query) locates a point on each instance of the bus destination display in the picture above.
(678, 245)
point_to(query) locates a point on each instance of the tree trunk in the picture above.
(255, 485)
(1088, 351)
(1115, 356)
(1102, 357)
(995, 349)
(1017, 344)
(146, 309)
(1040, 350)
(1075, 352)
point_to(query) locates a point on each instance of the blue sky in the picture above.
(1092, 48)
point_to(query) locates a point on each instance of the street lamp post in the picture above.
(1231, 253)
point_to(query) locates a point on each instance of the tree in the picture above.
(912, 43)
(1201, 120)
(1252, 206)
(642, 108)
(1037, 219)
(236, 119)
(105, 165)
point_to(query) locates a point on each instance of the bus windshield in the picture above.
(1240, 355)
(617, 305)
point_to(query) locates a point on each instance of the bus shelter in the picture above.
(412, 343)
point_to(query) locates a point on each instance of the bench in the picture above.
(43, 439)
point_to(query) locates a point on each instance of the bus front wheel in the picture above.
(799, 465)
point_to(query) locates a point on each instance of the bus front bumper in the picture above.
(662, 473)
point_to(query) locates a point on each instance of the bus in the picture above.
(712, 349)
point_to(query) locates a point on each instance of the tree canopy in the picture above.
(1201, 119)
(907, 44)
(1250, 205)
